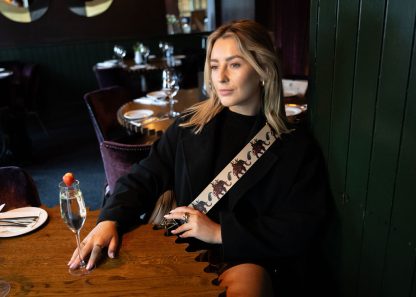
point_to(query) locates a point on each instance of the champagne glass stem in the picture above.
(81, 261)
(171, 102)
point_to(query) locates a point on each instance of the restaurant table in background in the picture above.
(185, 98)
(148, 264)
(137, 78)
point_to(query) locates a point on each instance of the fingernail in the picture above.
(72, 266)
(111, 255)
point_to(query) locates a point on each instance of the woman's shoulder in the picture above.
(299, 139)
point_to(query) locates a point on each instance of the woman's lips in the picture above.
(225, 92)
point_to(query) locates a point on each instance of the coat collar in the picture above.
(199, 153)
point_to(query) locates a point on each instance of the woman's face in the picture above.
(235, 81)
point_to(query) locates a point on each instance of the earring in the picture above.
(262, 83)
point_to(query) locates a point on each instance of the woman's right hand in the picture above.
(103, 235)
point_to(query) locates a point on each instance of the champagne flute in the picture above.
(74, 213)
(171, 88)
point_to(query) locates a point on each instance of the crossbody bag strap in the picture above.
(233, 172)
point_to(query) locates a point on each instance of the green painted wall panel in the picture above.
(320, 111)
(368, 98)
(394, 73)
(400, 253)
(344, 64)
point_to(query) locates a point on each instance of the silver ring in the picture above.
(186, 217)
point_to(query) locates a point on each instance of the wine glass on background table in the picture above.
(119, 53)
(74, 213)
(170, 86)
(4, 288)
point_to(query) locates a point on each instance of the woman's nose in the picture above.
(223, 74)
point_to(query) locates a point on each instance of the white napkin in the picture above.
(294, 87)
(150, 101)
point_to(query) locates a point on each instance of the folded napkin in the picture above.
(150, 101)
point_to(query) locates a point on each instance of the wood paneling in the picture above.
(363, 114)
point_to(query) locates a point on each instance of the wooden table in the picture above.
(148, 264)
(185, 98)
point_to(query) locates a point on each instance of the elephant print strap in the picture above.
(231, 173)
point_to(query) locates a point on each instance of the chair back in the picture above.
(17, 188)
(107, 77)
(119, 157)
(102, 107)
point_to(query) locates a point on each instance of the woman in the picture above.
(267, 220)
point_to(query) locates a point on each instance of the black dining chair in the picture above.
(17, 188)
(102, 107)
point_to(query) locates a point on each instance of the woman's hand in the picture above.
(103, 235)
(198, 225)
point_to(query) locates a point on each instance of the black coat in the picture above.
(274, 211)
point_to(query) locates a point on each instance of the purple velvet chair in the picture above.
(119, 150)
(119, 157)
(102, 107)
(17, 188)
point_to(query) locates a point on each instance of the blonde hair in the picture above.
(257, 48)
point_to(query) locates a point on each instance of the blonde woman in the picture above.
(261, 229)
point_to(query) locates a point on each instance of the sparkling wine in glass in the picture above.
(74, 213)
(171, 88)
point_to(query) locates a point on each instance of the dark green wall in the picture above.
(363, 112)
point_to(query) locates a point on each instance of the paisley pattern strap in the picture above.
(231, 173)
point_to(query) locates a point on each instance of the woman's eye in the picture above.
(214, 67)
(235, 65)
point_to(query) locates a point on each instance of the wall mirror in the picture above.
(23, 11)
(89, 8)
(186, 16)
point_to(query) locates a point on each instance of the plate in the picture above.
(292, 110)
(22, 212)
(157, 95)
(137, 114)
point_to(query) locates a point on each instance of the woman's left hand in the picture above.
(196, 225)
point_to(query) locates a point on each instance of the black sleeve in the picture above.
(136, 193)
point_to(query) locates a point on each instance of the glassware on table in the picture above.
(119, 53)
(4, 288)
(74, 213)
(145, 53)
(170, 85)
